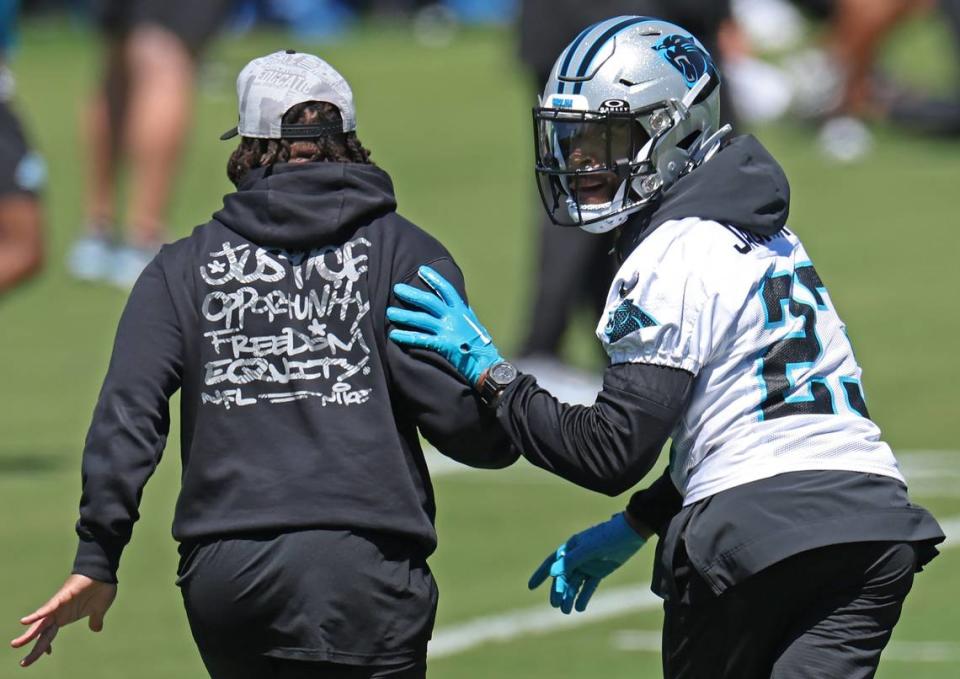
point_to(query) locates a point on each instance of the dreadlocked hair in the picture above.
(342, 147)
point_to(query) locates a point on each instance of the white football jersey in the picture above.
(777, 387)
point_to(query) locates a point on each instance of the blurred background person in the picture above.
(838, 83)
(140, 114)
(857, 29)
(22, 176)
(574, 268)
(870, 93)
(307, 19)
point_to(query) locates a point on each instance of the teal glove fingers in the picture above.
(417, 297)
(574, 583)
(441, 286)
(543, 571)
(581, 563)
(414, 319)
(417, 340)
(553, 566)
(449, 327)
(589, 587)
(558, 590)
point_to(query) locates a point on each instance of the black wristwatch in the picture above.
(494, 380)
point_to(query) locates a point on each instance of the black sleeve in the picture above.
(130, 424)
(656, 505)
(609, 446)
(446, 409)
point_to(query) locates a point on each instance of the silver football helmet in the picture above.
(631, 106)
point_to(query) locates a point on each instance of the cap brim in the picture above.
(229, 134)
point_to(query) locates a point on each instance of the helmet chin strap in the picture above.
(588, 212)
(608, 224)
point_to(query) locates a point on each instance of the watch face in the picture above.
(503, 373)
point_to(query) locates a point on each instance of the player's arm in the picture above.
(443, 406)
(607, 447)
(123, 447)
(651, 509)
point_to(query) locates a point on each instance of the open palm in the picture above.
(79, 597)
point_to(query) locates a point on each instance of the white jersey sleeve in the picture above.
(663, 307)
(777, 387)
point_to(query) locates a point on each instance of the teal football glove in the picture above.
(580, 563)
(445, 325)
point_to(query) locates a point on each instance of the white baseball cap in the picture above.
(269, 86)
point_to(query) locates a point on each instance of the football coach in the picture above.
(305, 516)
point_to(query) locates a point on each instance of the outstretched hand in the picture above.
(579, 564)
(79, 597)
(444, 324)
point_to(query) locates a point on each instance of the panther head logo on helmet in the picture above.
(684, 54)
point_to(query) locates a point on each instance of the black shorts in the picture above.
(345, 598)
(195, 23)
(22, 170)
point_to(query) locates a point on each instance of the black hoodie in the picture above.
(743, 186)
(296, 412)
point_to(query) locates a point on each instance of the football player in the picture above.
(787, 541)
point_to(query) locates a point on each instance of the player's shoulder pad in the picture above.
(672, 293)
(691, 249)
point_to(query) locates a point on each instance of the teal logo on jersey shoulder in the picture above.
(626, 319)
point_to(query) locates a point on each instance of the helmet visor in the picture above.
(584, 159)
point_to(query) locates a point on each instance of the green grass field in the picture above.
(452, 127)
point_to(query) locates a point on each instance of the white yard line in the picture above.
(539, 620)
(543, 619)
(648, 641)
(922, 651)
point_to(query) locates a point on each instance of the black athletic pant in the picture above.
(822, 614)
(234, 664)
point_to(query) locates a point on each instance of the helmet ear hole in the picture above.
(640, 137)
(688, 141)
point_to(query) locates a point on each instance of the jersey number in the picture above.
(797, 351)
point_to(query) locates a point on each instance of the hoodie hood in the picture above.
(301, 206)
(742, 186)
